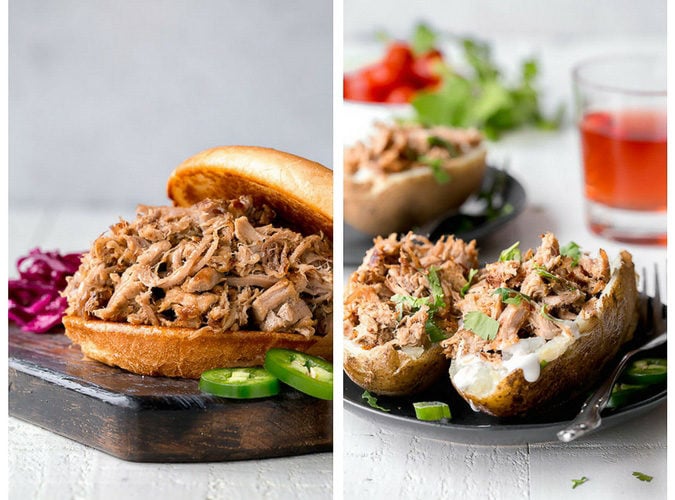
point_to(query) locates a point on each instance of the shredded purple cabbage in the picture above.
(34, 300)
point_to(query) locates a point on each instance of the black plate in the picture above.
(469, 427)
(472, 221)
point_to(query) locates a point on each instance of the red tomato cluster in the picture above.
(395, 78)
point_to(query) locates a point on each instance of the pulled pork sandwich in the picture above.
(399, 305)
(407, 175)
(241, 264)
(540, 326)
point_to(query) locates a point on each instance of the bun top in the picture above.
(299, 190)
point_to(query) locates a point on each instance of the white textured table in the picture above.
(381, 462)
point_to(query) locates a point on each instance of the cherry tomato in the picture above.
(403, 94)
(424, 69)
(357, 88)
(308, 374)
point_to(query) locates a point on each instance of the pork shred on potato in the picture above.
(546, 288)
(402, 146)
(218, 264)
(394, 268)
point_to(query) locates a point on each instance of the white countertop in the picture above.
(381, 462)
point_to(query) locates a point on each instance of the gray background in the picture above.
(107, 97)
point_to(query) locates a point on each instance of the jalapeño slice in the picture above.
(431, 410)
(239, 383)
(308, 374)
(624, 394)
(646, 371)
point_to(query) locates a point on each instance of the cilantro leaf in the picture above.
(511, 253)
(465, 288)
(436, 164)
(436, 288)
(481, 324)
(423, 40)
(643, 477)
(372, 401)
(412, 302)
(435, 141)
(544, 273)
(510, 296)
(436, 333)
(577, 482)
(573, 251)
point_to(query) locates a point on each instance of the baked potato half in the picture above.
(398, 307)
(559, 320)
(407, 175)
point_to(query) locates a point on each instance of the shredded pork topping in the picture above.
(546, 289)
(397, 147)
(217, 264)
(380, 302)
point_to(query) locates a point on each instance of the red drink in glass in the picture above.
(625, 159)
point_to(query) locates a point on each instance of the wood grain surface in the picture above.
(154, 419)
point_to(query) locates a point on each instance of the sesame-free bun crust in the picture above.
(181, 352)
(299, 190)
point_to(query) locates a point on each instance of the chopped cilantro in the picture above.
(481, 324)
(436, 165)
(544, 273)
(577, 482)
(434, 302)
(423, 40)
(511, 253)
(465, 288)
(436, 288)
(372, 401)
(511, 296)
(434, 140)
(642, 477)
(436, 333)
(573, 251)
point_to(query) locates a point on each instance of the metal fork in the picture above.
(589, 417)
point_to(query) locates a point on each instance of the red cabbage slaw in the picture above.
(35, 303)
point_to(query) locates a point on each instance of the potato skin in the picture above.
(602, 334)
(411, 198)
(391, 372)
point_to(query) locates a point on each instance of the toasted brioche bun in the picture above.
(299, 190)
(181, 352)
(401, 201)
(393, 372)
(573, 363)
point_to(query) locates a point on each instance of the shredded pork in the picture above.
(380, 302)
(397, 147)
(217, 264)
(548, 288)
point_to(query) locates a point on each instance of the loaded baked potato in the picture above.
(540, 326)
(407, 175)
(399, 305)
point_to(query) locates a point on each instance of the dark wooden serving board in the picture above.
(154, 419)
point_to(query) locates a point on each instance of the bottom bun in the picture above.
(181, 352)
